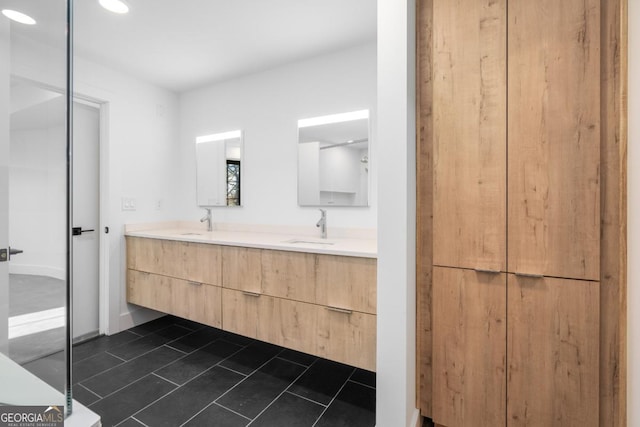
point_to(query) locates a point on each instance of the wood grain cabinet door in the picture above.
(469, 133)
(554, 138)
(553, 352)
(240, 312)
(346, 282)
(469, 348)
(289, 275)
(242, 268)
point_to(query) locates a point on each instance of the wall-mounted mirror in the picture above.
(219, 169)
(333, 160)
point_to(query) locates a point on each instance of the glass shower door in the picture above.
(33, 204)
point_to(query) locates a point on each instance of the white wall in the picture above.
(633, 194)
(267, 106)
(396, 382)
(37, 201)
(139, 150)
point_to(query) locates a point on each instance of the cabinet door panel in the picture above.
(554, 138)
(149, 290)
(198, 302)
(469, 133)
(240, 312)
(346, 282)
(469, 353)
(242, 268)
(289, 275)
(347, 337)
(553, 352)
(184, 260)
(288, 323)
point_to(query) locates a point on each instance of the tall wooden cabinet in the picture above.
(510, 138)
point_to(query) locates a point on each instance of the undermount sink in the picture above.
(308, 241)
(191, 234)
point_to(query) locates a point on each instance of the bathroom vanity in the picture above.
(311, 295)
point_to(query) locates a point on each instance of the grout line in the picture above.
(132, 417)
(297, 363)
(90, 391)
(334, 398)
(166, 379)
(283, 392)
(177, 349)
(152, 403)
(243, 380)
(210, 405)
(232, 370)
(362, 384)
(112, 355)
(306, 398)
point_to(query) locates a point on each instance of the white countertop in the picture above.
(345, 246)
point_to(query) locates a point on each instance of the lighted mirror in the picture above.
(333, 160)
(219, 169)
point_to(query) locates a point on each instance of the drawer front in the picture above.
(289, 275)
(184, 260)
(149, 290)
(190, 300)
(242, 268)
(347, 337)
(346, 282)
(240, 312)
(289, 323)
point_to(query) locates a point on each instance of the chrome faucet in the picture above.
(322, 223)
(207, 218)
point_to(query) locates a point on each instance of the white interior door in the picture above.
(86, 220)
(4, 183)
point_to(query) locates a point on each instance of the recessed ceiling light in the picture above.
(20, 17)
(115, 6)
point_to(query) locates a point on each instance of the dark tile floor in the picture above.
(172, 372)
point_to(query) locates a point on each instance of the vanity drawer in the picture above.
(346, 282)
(336, 334)
(283, 274)
(188, 299)
(184, 260)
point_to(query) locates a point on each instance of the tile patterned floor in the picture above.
(172, 372)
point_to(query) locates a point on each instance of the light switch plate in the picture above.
(128, 204)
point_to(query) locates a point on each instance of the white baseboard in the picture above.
(136, 316)
(416, 419)
(37, 270)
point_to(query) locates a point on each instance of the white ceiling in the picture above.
(185, 44)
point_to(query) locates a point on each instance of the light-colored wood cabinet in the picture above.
(185, 260)
(469, 352)
(552, 352)
(554, 138)
(517, 106)
(469, 134)
(346, 282)
(348, 337)
(314, 303)
(277, 273)
(192, 300)
(240, 311)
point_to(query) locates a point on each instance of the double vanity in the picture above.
(308, 294)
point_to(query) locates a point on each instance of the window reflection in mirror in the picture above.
(219, 169)
(333, 160)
